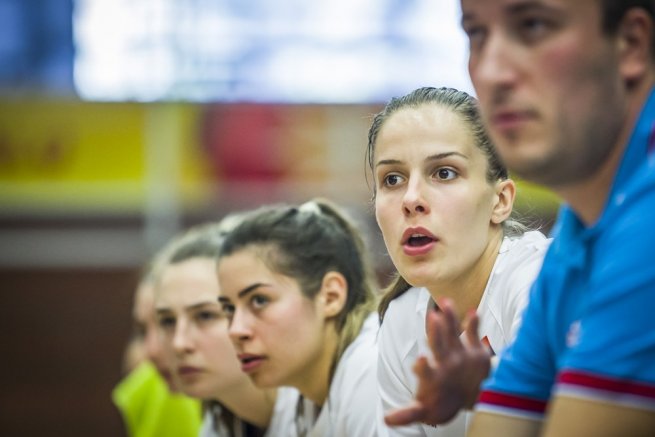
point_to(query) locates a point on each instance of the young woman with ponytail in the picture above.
(443, 201)
(299, 291)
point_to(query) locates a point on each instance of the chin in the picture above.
(265, 381)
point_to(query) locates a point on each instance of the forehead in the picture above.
(144, 301)
(424, 129)
(246, 267)
(494, 9)
(188, 280)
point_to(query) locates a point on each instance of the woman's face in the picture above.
(149, 333)
(277, 331)
(433, 202)
(195, 329)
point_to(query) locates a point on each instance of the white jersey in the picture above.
(403, 338)
(351, 406)
(282, 422)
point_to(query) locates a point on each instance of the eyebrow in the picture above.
(195, 306)
(243, 292)
(515, 8)
(436, 157)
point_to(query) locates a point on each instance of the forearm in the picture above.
(486, 424)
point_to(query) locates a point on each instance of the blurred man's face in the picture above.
(548, 83)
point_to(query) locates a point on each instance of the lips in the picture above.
(509, 120)
(250, 362)
(188, 372)
(418, 241)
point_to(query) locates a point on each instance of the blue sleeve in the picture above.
(615, 353)
(522, 382)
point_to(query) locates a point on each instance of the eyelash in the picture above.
(167, 323)
(258, 302)
(228, 309)
(206, 316)
(385, 180)
(448, 169)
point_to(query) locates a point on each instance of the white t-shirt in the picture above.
(351, 406)
(282, 421)
(403, 339)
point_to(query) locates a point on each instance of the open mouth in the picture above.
(246, 360)
(418, 240)
(250, 362)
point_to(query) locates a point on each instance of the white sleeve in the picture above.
(355, 399)
(392, 384)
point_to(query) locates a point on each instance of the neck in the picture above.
(589, 197)
(249, 403)
(314, 382)
(466, 290)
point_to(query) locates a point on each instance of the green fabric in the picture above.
(150, 409)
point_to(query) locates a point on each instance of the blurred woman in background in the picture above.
(148, 397)
(195, 332)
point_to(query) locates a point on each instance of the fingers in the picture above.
(436, 333)
(472, 325)
(404, 416)
(422, 370)
(443, 330)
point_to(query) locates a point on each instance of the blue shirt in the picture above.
(589, 328)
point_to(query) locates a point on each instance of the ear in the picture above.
(333, 293)
(503, 201)
(634, 38)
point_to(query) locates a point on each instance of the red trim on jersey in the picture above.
(511, 401)
(485, 341)
(586, 380)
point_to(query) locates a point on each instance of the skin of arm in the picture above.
(452, 380)
(570, 417)
(486, 424)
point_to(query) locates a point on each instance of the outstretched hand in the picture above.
(452, 380)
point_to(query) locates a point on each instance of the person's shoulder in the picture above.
(401, 308)
(398, 334)
(284, 413)
(358, 364)
(530, 245)
(522, 261)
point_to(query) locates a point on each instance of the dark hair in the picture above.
(461, 103)
(613, 12)
(466, 107)
(304, 243)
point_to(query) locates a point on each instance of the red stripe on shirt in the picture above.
(511, 401)
(586, 380)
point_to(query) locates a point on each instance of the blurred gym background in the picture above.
(123, 122)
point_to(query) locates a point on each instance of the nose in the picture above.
(240, 329)
(414, 201)
(492, 66)
(182, 342)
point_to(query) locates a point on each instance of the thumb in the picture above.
(414, 412)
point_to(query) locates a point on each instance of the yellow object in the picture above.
(149, 409)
